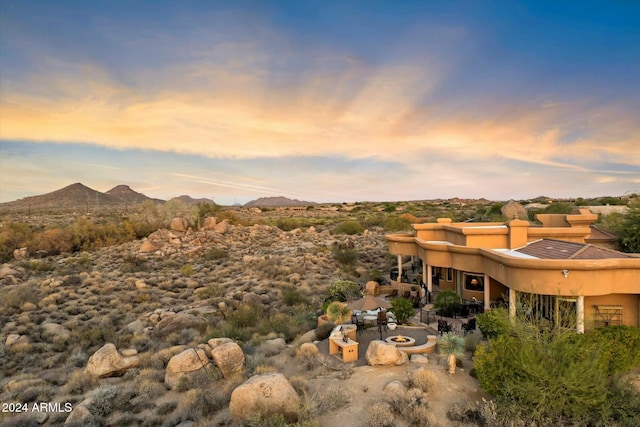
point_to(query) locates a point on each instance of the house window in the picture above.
(473, 282)
(449, 274)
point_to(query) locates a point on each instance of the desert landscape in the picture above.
(162, 329)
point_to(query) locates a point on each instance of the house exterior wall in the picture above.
(470, 248)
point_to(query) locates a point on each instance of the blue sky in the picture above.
(327, 101)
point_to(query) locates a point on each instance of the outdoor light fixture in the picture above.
(565, 272)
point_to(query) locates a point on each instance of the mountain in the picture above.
(276, 202)
(79, 197)
(128, 196)
(191, 201)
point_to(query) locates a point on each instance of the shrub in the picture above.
(381, 415)
(338, 312)
(349, 227)
(186, 270)
(395, 223)
(345, 256)
(621, 344)
(288, 224)
(403, 309)
(423, 378)
(292, 296)
(215, 254)
(334, 397)
(494, 323)
(344, 290)
(548, 377)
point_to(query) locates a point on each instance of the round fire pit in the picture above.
(401, 341)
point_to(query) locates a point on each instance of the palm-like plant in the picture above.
(338, 312)
(403, 309)
(453, 346)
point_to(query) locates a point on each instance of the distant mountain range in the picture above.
(276, 202)
(80, 197)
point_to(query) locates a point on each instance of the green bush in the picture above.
(621, 345)
(494, 323)
(545, 376)
(396, 223)
(288, 224)
(344, 290)
(346, 256)
(349, 227)
(292, 296)
(186, 270)
(403, 309)
(215, 254)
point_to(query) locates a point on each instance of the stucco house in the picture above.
(549, 268)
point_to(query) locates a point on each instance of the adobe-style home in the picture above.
(544, 269)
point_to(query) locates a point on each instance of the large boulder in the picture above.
(273, 347)
(209, 223)
(252, 298)
(229, 358)
(179, 224)
(149, 246)
(190, 362)
(514, 210)
(372, 288)
(108, 362)
(382, 353)
(221, 227)
(179, 321)
(266, 395)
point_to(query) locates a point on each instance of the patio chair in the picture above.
(359, 322)
(470, 326)
(393, 294)
(444, 327)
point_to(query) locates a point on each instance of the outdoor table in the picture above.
(349, 349)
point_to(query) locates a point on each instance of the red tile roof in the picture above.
(559, 249)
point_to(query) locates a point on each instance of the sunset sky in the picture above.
(326, 101)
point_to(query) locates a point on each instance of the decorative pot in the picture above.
(392, 326)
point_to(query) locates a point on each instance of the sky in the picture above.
(325, 101)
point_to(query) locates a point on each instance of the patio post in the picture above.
(580, 314)
(487, 292)
(512, 305)
(399, 268)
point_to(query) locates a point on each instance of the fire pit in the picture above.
(401, 341)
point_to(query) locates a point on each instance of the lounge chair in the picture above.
(470, 326)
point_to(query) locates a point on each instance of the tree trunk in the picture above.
(452, 364)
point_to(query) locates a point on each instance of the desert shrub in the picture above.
(396, 223)
(423, 378)
(381, 415)
(215, 254)
(403, 309)
(102, 400)
(21, 294)
(621, 345)
(288, 224)
(332, 398)
(212, 290)
(550, 377)
(79, 381)
(292, 296)
(231, 217)
(186, 270)
(494, 323)
(338, 312)
(324, 330)
(349, 227)
(282, 323)
(245, 316)
(345, 256)
(134, 264)
(300, 384)
(12, 235)
(344, 290)
(466, 412)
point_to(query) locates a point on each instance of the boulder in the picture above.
(148, 246)
(209, 223)
(190, 361)
(178, 322)
(372, 288)
(394, 392)
(179, 224)
(308, 349)
(273, 347)
(215, 342)
(419, 358)
(108, 362)
(381, 353)
(56, 329)
(308, 337)
(252, 298)
(81, 414)
(15, 339)
(21, 254)
(9, 271)
(221, 227)
(229, 358)
(267, 395)
(514, 210)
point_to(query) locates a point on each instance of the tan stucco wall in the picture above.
(630, 310)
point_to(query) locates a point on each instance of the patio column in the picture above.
(429, 272)
(580, 314)
(399, 268)
(487, 293)
(512, 305)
